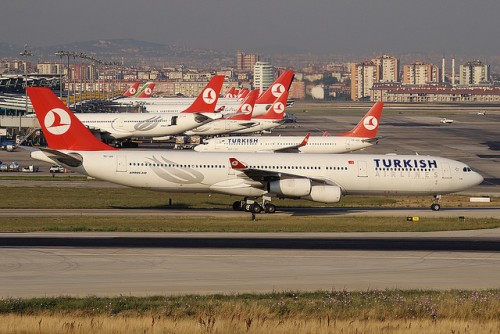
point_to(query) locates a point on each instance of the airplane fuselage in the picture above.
(212, 172)
(270, 144)
(126, 125)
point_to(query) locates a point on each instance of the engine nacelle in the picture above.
(324, 194)
(290, 187)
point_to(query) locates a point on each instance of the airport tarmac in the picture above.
(111, 264)
(107, 264)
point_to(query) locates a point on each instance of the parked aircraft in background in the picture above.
(271, 119)
(316, 177)
(127, 125)
(363, 135)
(226, 105)
(241, 120)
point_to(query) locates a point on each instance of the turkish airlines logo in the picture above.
(234, 163)
(277, 90)
(147, 91)
(57, 121)
(279, 107)
(209, 96)
(370, 123)
(246, 108)
(132, 90)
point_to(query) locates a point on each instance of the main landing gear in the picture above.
(249, 205)
(435, 203)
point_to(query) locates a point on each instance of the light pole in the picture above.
(60, 54)
(25, 53)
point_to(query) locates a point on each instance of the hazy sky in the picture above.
(320, 26)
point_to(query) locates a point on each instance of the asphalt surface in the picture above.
(111, 264)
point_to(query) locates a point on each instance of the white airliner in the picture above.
(226, 105)
(362, 136)
(238, 121)
(128, 125)
(316, 177)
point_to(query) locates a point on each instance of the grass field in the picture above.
(390, 311)
(105, 198)
(125, 198)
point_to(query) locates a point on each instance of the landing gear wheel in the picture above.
(270, 208)
(255, 208)
(435, 207)
(247, 207)
(237, 206)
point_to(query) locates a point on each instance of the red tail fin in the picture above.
(131, 90)
(279, 86)
(230, 93)
(62, 129)
(148, 91)
(277, 110)
(244, 112)
(368, 126)
(243, 93)
(207, 100)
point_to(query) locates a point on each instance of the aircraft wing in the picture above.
(294, 148)
(262, 175)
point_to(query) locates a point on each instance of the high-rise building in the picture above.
(246, 62)
(363, 76)
(263, 75)
(474, 73)
(387, 68)
(420, 73)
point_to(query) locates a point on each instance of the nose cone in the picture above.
(477, 179)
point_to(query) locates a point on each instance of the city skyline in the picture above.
(356, 27)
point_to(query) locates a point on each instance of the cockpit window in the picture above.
(467, 169)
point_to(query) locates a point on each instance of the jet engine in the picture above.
(290, 187)
(324, 194)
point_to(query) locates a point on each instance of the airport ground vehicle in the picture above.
(56, 169)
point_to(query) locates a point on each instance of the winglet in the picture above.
(368, 125)
(278, 87)
(61, 128)
(305, 140)
(236, 164)
(207, 100)
(325, 134)
(147, 91)
(132, 90)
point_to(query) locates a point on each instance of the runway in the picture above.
(486, 212)
(81, 264)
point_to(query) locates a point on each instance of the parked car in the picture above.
(14, 166)
(4, 167)
(56, 169)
